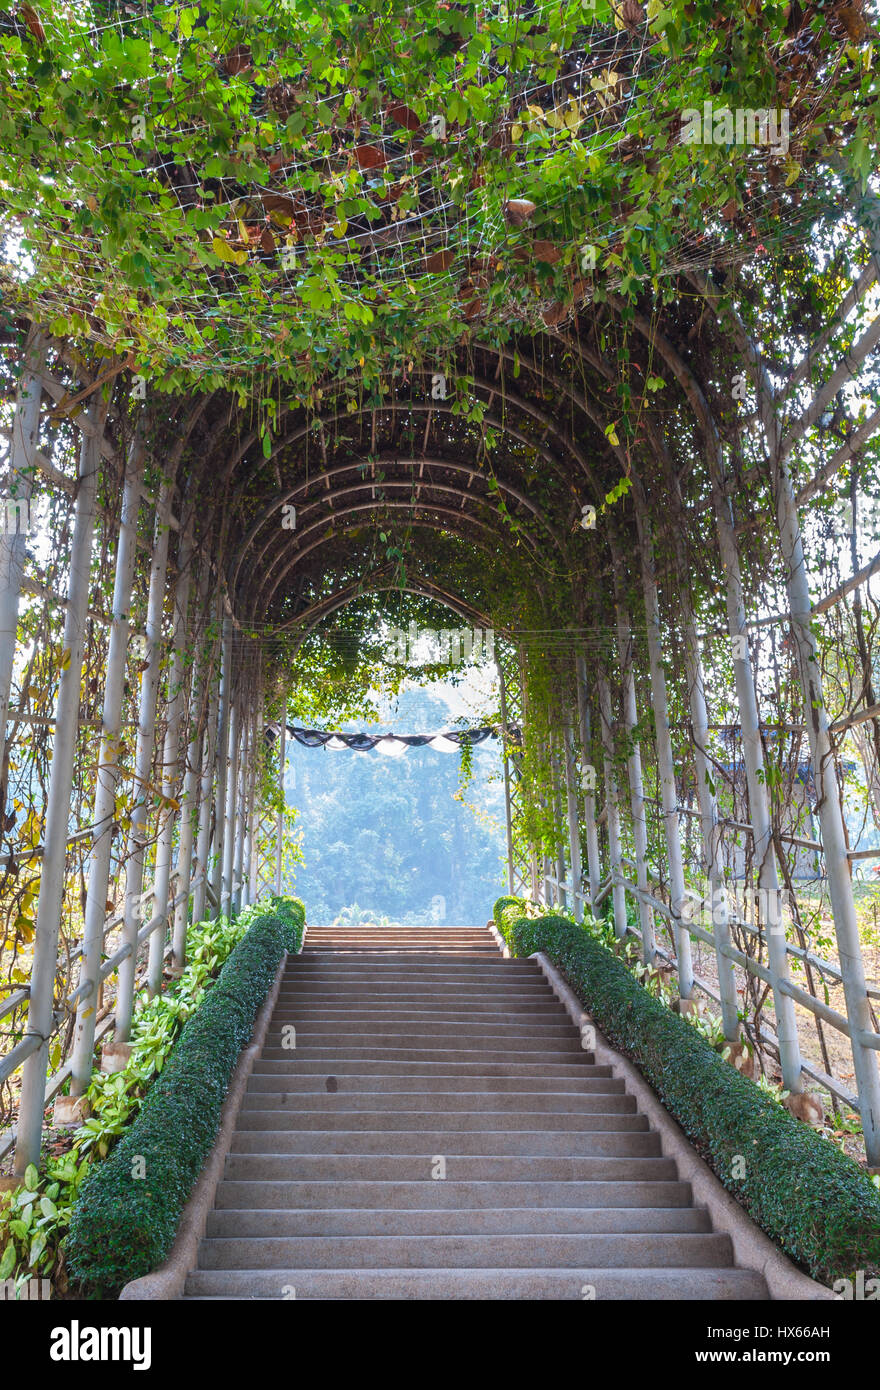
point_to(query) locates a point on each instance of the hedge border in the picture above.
(124, 1226)
(814, 1201)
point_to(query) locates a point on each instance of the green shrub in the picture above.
(124, 1225)
(812, 1199)
(502, 903)
(35, 1217)
(292, 914)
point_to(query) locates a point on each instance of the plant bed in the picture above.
(814, 1201)
(126, 1217)
(35, 1217)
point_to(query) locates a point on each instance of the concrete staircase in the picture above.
(422, 1051)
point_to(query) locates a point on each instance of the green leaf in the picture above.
(7, 1262)
(31, 1178)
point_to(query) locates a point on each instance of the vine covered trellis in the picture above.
(560, 319)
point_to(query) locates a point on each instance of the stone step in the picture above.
(455, 942)
(418, 997)
(391, 1034)
(391, 968)
(418, 991)
(418, 1121)
(494, 1284)
(564, 1143)
(389, 951)
(530, 1015)
(475, 1222)
(361, 1083)
(497, 1168)
(254, 1194)
(635, 1251)
(413, 1045)
(424, 976)
(397, 1061)
(295, 1041)
(582, 1102)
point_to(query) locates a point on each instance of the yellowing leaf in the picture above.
(225, 252)
(24, 928)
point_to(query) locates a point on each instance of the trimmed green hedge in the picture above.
(292, 913)
(812, 1199)
(502, 904)
(124, 1225)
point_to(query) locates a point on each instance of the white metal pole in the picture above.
(556, 781)
(189, 807)
(226, 904)
(174, 707)
(108, 773)
(612, 805)
(759, 805)
(837, 867)
(666, 766)
(634, 768)
(13, 538)
(574, 834)
(251, 866)
(240, 819)
(143, 766)
(711, 830)
(206, 799)
(223, 770)
(49, 906)
(588, 783)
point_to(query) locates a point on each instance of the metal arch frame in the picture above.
(436, 407)
(427, 590)
(452, 465)
(429, 522)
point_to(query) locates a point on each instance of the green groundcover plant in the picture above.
(35, 1218)
(813, 1200)
(127, 1213)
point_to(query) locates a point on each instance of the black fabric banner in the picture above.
(363, 743)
